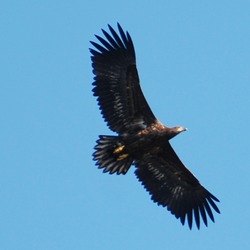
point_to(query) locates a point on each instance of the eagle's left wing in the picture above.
(173, 186)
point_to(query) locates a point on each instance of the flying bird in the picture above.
(141, 140)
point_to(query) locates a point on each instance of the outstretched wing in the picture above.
(173, 186)
(116, 84)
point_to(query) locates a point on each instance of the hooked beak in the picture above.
(181, 129)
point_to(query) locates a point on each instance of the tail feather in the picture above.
(107, 158)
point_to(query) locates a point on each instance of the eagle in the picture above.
(141, 140)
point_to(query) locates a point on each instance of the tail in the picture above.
(109, 155)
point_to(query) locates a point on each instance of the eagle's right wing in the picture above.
(116, 84)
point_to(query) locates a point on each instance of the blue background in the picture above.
(193, 59)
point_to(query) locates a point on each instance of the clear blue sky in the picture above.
(194, 63)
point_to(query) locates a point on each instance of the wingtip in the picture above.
(118, 25)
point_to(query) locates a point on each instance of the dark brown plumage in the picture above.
(142, 139)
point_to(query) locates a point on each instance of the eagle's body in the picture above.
(142, 139)
(145, 140)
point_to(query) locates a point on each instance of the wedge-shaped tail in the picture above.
(109, 155)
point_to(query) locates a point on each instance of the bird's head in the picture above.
(175, 131)
(179, 129)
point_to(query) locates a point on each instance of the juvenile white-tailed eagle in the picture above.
(142, 140)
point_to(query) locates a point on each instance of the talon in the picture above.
(121, 157)
(119, 149)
